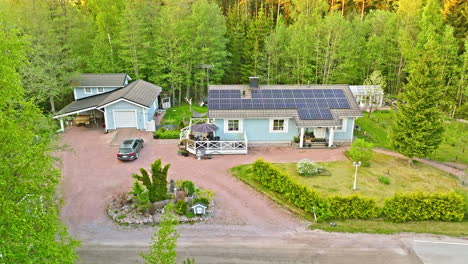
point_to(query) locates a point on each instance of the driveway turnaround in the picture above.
(247, 226)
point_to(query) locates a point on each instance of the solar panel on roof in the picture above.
(288, 94)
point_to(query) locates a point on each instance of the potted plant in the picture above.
(183, 152)
(296, 139)
(155, 135)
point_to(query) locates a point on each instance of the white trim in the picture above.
(125, 100)
(344, 125)
(331, 137)
(106, 125)
(85, 92)
(145, 113)
(285, 125)
(100, 86)
(98, 92)
(74, 94)
(125, 110)
(241, 125)
(75, 112)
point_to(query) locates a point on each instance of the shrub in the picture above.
(157, 183)
(204, 195)
(180, 207)
(384, 180)
(361, 150)
(306, 167)
(122, 216)
(421, 207)
(189, 214)
(353, 207)
(140, 196)
(162, 133)
(299, 195)
(202, 200)
(188, 187)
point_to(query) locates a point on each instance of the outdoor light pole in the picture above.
(356, 164)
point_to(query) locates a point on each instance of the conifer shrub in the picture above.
(180, 207)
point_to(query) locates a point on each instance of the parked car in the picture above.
(129, 149)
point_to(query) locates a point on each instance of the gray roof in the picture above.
(101, 80)
(139, 92)
(337, 114)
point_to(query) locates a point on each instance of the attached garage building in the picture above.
(132, 106)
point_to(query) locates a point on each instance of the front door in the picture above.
(319, 132)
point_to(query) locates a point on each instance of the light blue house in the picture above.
(311, 115)
(113, 101)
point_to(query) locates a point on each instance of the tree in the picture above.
(31, 230)
(417, 129)
(163, 243)
(157, 184)
(361, 150)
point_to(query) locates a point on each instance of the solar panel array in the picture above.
(310, 103)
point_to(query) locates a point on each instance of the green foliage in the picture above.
(361, 150)
(176, 115)
(202, 200)
(205, 195)
(384, 180)
(189, 261)
(140, 196)
(353, 207)
(306, 167)
(163, 241)
(421, 207)
(190, 214)
(31, 230)
(297, 194)
(157, 184)
(188, 187)
(162, 133)
(180, 207)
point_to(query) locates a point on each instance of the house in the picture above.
(253, 114)
(368, 95)
(110, 99)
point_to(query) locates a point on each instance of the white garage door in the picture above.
(125, 118)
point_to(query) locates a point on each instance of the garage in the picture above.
(125, 118)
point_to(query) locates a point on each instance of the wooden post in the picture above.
(301, 138)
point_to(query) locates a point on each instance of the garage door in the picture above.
(125, 118)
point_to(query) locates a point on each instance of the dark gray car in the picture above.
(129, 149)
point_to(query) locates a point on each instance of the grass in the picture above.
(420, 177)
(375, 129)
(174, 115)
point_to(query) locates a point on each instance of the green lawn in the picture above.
(403, 178)
(174, 115)
(375, 129)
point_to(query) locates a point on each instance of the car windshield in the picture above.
(125, 150)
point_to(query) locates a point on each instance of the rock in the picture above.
(157, 206)
(180, 195)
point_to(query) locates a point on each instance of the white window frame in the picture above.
(99, 91)
(285, 125)
(344, 125)
(241, 125)
(90, 90)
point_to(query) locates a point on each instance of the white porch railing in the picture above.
(185, 132)
(218, 147)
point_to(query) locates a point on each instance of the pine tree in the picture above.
(417, 129)
(157, 183)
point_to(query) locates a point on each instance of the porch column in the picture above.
(331, 136)
(301, 138)
(62, 126)
(381, 101)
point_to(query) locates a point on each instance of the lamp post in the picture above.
(356, 164)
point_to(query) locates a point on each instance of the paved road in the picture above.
(441, 252)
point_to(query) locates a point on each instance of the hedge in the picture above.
(420, 207)
(167, 134)
(353, 207)
(299, 195)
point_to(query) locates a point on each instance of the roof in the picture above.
(101, 80)
(199, 204)
(139, 92)
(309, 105)
(366, 90)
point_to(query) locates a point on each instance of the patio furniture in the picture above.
(204, 128)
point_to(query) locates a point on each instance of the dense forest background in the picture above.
(181, 45)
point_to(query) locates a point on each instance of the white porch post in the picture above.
(331, 136)
(62, 126)
(381, 101)
(301, 138)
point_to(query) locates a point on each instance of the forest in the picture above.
(181, 45)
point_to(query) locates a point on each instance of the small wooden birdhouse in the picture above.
(199, 209)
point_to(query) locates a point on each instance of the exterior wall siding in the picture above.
(346, 135)
(80, 91)
(257, 130)
(152, 109)
(124, 106)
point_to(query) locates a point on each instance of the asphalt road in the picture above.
(441, 252)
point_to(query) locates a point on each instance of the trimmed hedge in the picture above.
(299, 195)
(421, 207)
(167, 134)
(353, 207)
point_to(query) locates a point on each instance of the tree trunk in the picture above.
(343, 4)
(52, 104)
(362, 9)
(410, 162)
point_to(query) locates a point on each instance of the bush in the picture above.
(188, 187)
(299, 195)
(384, 180)
(140, 196)
(353, 207)
(162, 133)
(306, 167)
(180, 207)
(202, 200)
(361, 150)
(422, 207)
(189, 214)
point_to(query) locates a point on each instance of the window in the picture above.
(233, 125)
(278, 125)
(88, 90)
(344, 123)
(100, 90)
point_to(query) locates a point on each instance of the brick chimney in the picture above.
(253, 82)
